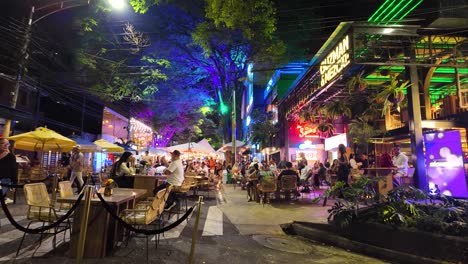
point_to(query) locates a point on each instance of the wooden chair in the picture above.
(147, 213)
(288, 185)
(266, 186)
(40, 209)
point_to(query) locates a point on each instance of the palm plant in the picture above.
(326, 129)
(262, 129)
(392, 95)
(361, 131)
(337, 109)
(357, 83)
(307, 114)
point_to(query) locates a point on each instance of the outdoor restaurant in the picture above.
(419, 97)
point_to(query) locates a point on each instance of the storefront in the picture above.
(141, 134)
(305, 138)
(378, 53)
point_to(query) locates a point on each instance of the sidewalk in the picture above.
(253, 218)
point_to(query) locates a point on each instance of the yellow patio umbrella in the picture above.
(43, 139)
(108, 146)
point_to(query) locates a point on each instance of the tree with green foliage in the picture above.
(113, 67)
(262, 129)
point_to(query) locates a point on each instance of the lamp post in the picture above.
(234, 129)
(48, 9)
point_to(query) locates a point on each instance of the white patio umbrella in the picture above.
(204, 143)
(190, 147)
(228, 146)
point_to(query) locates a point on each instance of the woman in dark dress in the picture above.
(343, 165)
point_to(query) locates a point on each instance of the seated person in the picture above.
(203, 170)
(288, 171)
(123, 168)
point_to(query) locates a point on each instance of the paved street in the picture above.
(231, 230)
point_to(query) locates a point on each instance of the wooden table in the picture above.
(103, 231)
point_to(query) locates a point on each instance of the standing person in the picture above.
(212, 164)
(343, 165)
(8, 168)
(365, 163)
(252, 178)
(76, 166)
(400, 162)
(175, 177)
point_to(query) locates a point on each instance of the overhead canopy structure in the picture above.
(190, 147)
(228, 146)
(85, 145)
(108, 146)
(155, 151)
(204, 143)
(43, 139)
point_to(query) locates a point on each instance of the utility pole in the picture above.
(24, 55)
(233, 127)
(21, 68)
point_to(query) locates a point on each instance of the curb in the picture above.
(358, 247)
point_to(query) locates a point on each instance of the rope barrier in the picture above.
(39, 229)
(144, 231)
(20, 186)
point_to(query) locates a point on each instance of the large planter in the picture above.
(382, 241)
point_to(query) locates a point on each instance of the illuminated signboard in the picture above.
(307, 131)
(334, 142)
(335, 61)
(444, 163)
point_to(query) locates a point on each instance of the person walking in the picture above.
(175, 177)
(76, 166)
(8, 168)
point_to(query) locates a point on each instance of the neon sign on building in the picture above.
(335, 61)
(307, 131)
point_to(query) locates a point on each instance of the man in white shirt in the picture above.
(76, 166)
(175, 177)
(400, 161)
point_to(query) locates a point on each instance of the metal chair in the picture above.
(40, 209)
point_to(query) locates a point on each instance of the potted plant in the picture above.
(337, 109)
(326, 129)
(392, 94)
(357, 83)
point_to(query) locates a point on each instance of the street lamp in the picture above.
(117, 4)
(56, 6)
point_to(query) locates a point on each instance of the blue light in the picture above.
(247, 121)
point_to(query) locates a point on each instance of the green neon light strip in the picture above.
(451, 70)
(397, 13)
(376, 12)
(411, 9)
(383, 12)
(390, 13)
